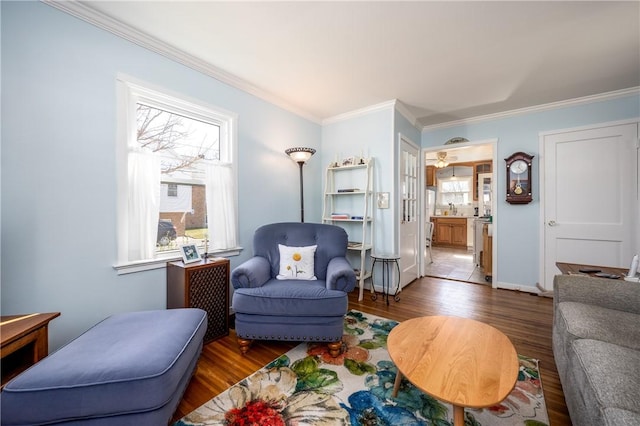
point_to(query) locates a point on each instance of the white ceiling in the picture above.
(445, 61)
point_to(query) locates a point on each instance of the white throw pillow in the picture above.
(296, 263)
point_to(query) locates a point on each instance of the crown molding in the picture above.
(392, 104)
(537, 108)
(402, 109)
(105, 22)
(360, 112)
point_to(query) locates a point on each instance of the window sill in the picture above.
(161, 262)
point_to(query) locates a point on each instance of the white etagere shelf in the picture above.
(351, 186)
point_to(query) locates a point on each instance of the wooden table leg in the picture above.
(396, 384)
(458, 415)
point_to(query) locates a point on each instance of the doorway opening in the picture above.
(459, 201)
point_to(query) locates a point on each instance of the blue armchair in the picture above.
(271, 302)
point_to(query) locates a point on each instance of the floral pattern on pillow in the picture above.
(296, 263)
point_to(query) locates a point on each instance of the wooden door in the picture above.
(590, 197)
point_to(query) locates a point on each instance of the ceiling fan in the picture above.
(441, 160)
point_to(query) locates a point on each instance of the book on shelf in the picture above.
(354, 244)
(340, 215)
(348, 190)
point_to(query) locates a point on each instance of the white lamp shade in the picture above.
(300, 155)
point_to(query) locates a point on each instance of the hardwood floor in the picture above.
(525, 318)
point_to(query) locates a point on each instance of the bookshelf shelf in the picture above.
(348, 203)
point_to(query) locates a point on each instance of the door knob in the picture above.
(552, 223)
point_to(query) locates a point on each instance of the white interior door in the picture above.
(590, 197)
(409, 229)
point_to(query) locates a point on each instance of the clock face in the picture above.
(519, 166)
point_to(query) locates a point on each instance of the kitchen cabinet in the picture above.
(431, 176)
(450, 231)
(487, 251)
(478, 168)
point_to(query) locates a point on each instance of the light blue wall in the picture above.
(404, 126)
(519, 225)
(59, 172)
(372, 135)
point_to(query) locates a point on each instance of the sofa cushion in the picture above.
(580, 320)
(604, 375)
(291, 298)
(618, 417)
(128, 363)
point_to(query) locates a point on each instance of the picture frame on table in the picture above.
(190, 253)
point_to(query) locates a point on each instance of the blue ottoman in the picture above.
(130, 369)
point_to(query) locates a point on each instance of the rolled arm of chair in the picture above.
(340, 275)
(252, 273)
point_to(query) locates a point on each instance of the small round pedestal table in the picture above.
(388, 261)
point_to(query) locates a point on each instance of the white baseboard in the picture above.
(518, 287)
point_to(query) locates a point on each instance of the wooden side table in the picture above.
(25, 341)
(574, 269)
(203, 285)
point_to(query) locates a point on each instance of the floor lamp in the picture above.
(300, 156)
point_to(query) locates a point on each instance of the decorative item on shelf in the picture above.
(519, 181)
(349, 161)
(300, 155)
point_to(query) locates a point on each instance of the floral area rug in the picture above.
(306, 386)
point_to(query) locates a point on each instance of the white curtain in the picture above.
(144, 204)
(221, 210)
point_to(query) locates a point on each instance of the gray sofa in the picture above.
(596, 345)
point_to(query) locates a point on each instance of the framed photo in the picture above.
(349, 161)
(190, 253)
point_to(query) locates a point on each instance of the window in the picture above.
(172, 190)
(454, 190)
(176, 176)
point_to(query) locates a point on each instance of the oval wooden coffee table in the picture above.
(457, 360)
